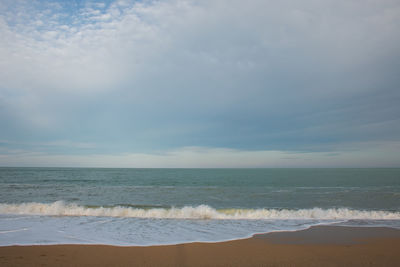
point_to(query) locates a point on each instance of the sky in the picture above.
(211, 83)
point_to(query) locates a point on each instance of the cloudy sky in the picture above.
(211, 83)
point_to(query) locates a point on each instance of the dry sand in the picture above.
(317, 246)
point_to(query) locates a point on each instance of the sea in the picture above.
(143, 207)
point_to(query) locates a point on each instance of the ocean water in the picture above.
(169, 206)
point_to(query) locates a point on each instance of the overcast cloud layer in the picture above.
(200, 83)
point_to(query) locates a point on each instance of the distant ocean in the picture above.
(169, 206)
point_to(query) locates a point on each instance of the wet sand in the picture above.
(317, 246)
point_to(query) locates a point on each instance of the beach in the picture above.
(316, 246)
(199, 133)
(199, 217)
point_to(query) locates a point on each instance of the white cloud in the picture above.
(224, 67)
(360, 155)
(105, 46)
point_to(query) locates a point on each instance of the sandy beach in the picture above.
(317, 246)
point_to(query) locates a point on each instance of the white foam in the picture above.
(60, 208)
(13, 231)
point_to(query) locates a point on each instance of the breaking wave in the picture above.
(60, 208)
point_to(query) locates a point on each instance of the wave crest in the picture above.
(59, 208)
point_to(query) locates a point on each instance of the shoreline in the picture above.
(322, 245)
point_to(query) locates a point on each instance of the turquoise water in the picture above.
(200, 204)
(372, 189)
